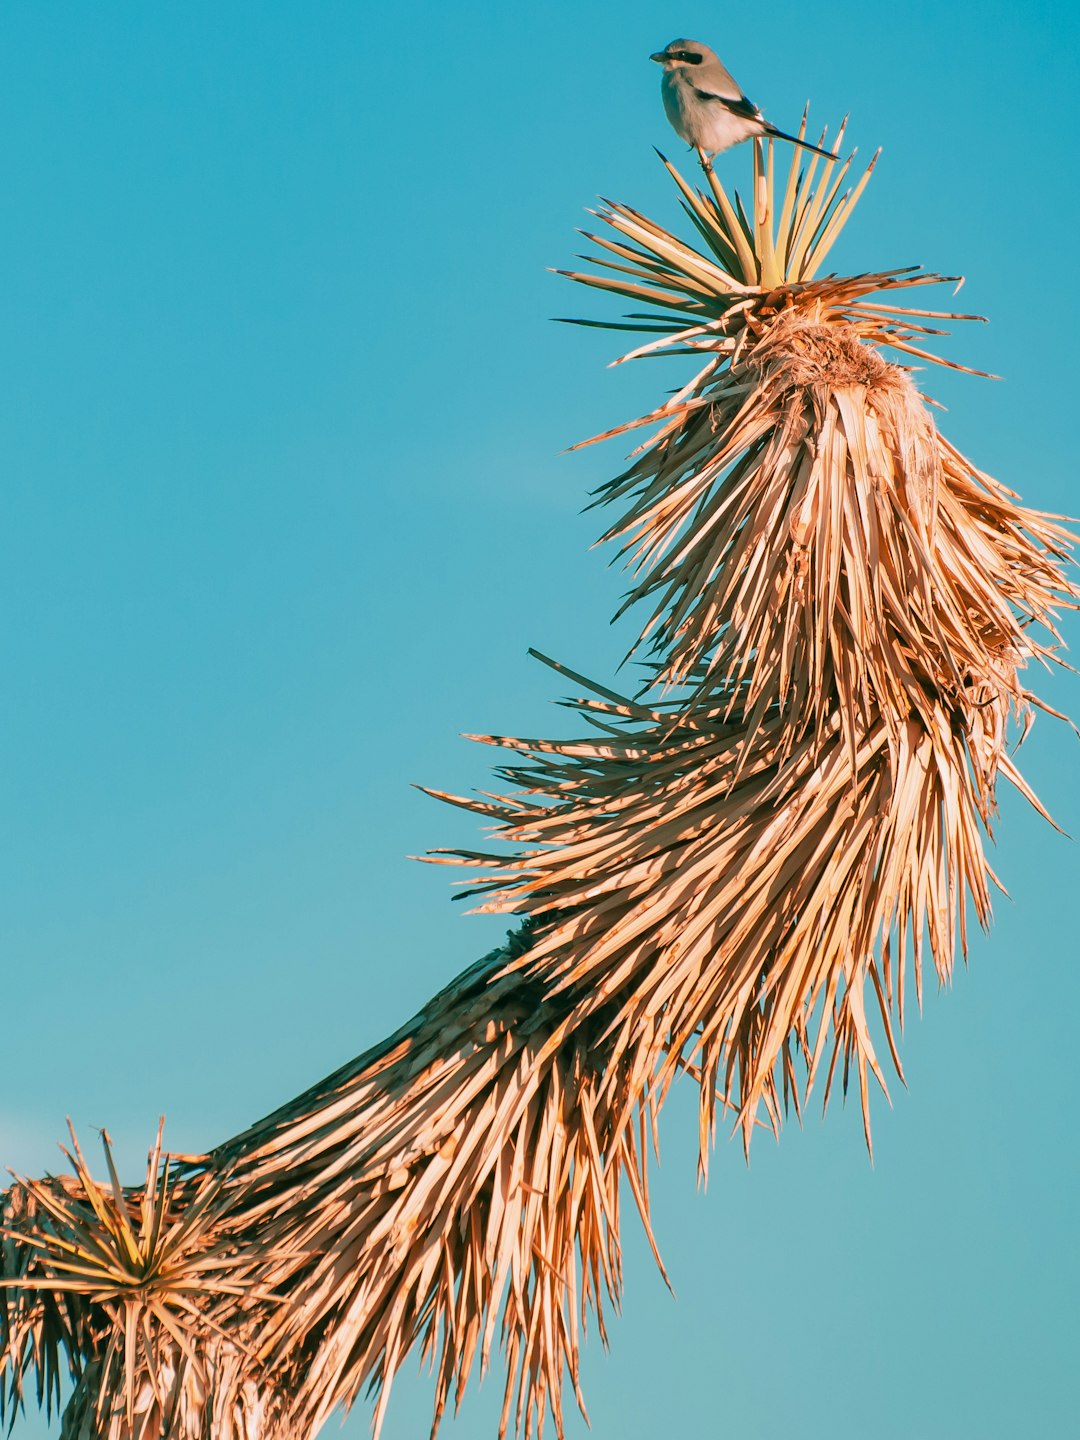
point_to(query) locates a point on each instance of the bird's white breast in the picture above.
(705, 123)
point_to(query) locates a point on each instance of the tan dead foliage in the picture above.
(731, 873)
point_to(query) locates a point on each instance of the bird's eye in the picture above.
(689, 56)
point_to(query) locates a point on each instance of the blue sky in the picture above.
(283, 507)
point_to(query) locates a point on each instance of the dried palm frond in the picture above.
(465, 1172)
(797, 521)
(728, 874)
(841, 608)
(125, 1290)
(739, 891)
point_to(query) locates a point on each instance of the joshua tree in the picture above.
(728, 874)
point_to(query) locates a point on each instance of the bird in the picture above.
(706, 105)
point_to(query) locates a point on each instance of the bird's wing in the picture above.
(741, 106)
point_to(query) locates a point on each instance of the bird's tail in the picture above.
(775, 134)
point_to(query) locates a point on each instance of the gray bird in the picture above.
(705, 105)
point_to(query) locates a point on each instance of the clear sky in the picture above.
(282, 508)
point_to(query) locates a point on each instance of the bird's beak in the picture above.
(659, 57)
